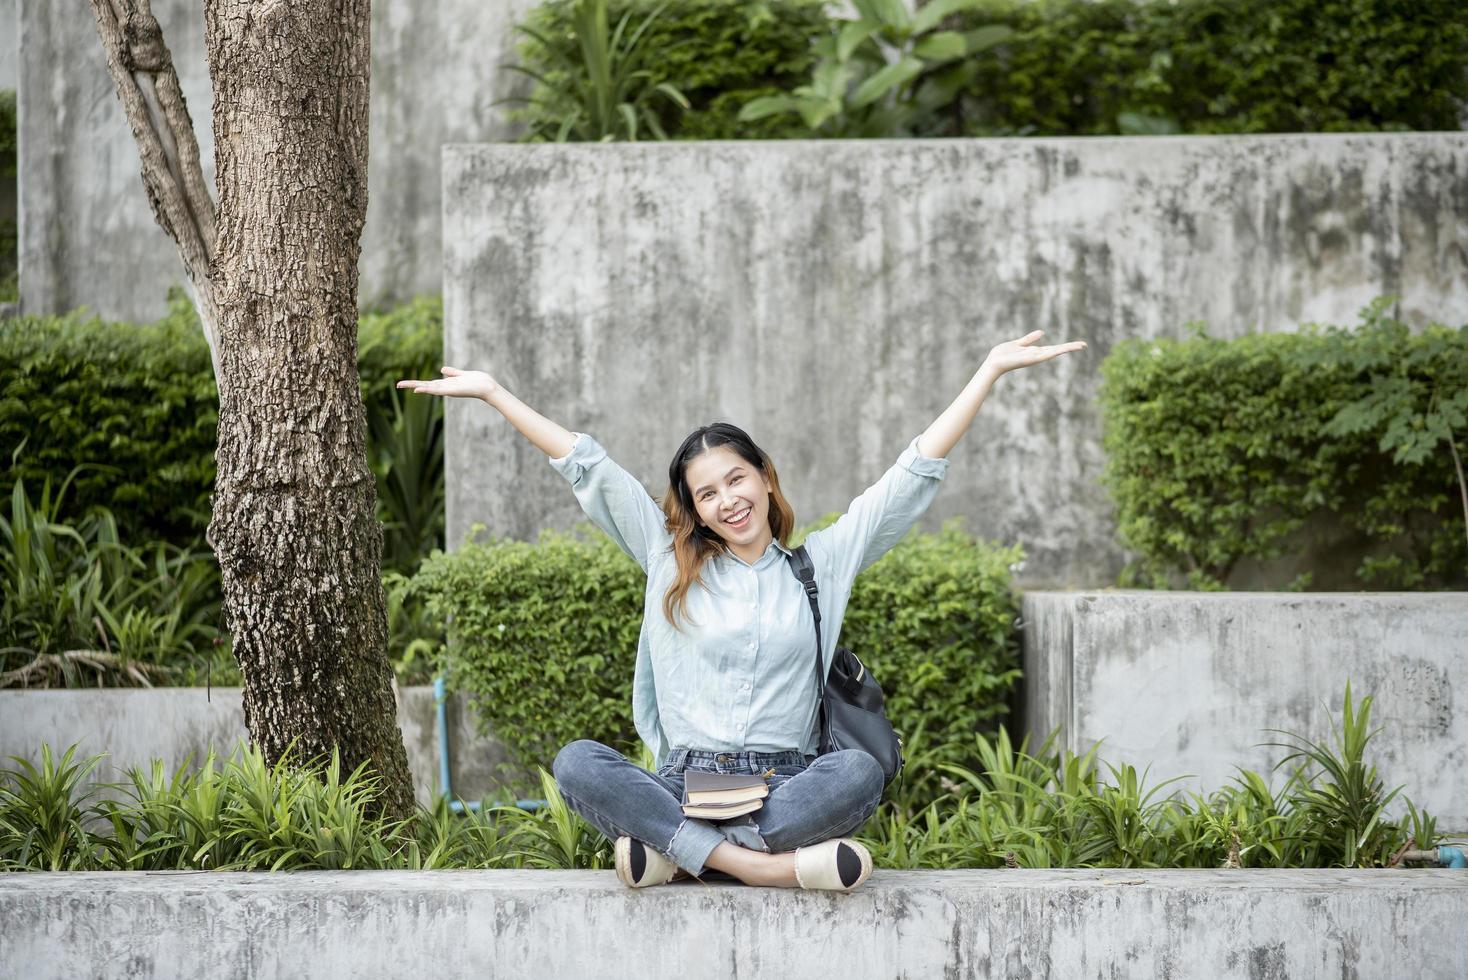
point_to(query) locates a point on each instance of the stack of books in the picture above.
(720, 795)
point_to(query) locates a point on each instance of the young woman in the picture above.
(723, 674)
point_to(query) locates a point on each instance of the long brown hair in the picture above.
(694, 544)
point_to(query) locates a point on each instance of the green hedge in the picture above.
(8, 144)
(1081, 67)
(1074, 67)
(1220, 451)
(543, 637)
(138, 404)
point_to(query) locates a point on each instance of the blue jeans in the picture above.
(811, 799)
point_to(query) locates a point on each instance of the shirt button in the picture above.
(746, 686)
(740, 726)
(751, 646)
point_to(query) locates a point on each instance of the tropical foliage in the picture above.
(1015, 808)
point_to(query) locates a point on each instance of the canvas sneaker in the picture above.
(639, 866)
(839, 864)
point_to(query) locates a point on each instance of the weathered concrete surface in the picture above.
(9, 43)
(834, 297)
(87, 235)
(569, 924)
(9, 57)
(1188, 682)
(135, 726)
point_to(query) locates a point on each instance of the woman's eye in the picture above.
(736, 479)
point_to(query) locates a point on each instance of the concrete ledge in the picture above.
(567, 924)
(137, 725)
(1188, 682)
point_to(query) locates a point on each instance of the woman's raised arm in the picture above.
(613, 498)
(887, 510)
(550, 438)
(940, 437)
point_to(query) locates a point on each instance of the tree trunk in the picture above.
(295, 504)
(274, 273)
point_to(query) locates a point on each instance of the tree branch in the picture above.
(147, 85)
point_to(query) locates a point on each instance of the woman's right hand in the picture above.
(455, 384)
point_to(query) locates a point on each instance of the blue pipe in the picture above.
(1451, 857)
(440, 697)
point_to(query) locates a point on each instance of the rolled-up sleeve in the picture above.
(614, 500)
(880, 516)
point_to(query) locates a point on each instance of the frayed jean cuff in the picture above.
(692, 843)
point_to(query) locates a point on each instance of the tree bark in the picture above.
(295, 503)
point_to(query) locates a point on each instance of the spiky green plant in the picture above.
(597, 89)
(43, 811)
(1347, 804)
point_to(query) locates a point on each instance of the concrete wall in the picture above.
(573, 924)
(834, 297)
(9, 43)
(9, 57)
(1189, 682)
(135, 726)
(87, 235)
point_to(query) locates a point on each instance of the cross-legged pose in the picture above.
(723, 674)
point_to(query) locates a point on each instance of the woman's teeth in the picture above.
(743, 518)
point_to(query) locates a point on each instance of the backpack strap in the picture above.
(804, 570)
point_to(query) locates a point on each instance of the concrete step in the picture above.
(565, 924)
(1189, 682)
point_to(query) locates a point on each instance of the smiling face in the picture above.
(725, 485)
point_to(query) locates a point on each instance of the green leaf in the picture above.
(928, 15)
(1142, 124)
(941, 46)
(884, 81)
(852, 35)
(768, 105)
(984, 38)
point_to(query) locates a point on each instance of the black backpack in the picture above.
(850, 701)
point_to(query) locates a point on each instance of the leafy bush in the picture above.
(1070, 67)
(1220, 451)
(1081, 67)
(9, 285)
(1015, 808)
(887, 72)
(125, 416)
(543, 637)
(137, 406)
(8, 143)
(718, 54)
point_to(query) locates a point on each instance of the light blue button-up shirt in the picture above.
(739, 676)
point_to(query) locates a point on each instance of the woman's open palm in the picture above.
(1014, 354)
(455, 384)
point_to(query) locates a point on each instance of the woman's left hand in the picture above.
(1014, 354)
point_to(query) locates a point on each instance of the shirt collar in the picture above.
(775, 547)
